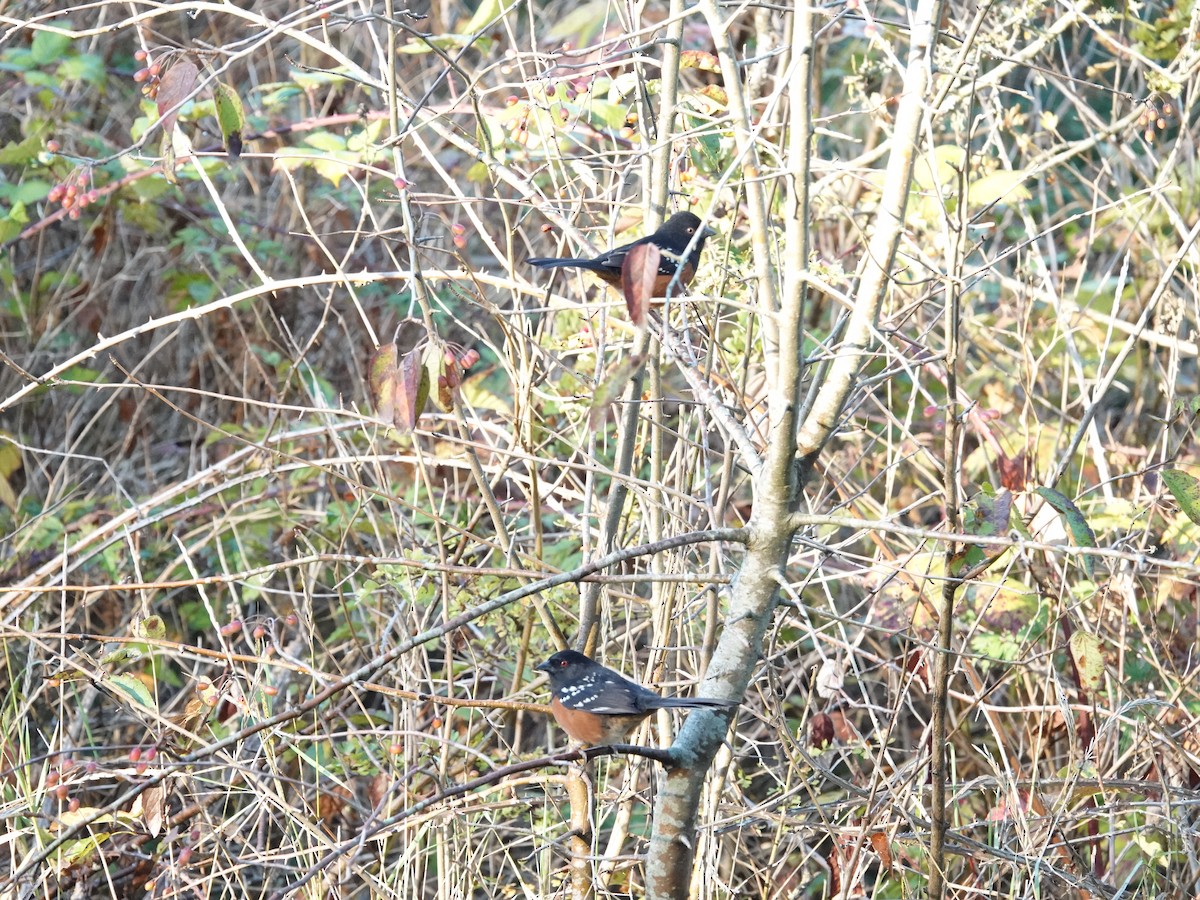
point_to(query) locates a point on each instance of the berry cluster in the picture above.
(148, 76)
(75, 193)
(1155, 119)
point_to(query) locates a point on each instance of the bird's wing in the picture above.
(607, 694)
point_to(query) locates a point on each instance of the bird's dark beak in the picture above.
(543, 666)
(708, 232)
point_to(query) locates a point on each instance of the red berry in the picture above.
(510, 100)
(56, 193)
(53, 146)
(149, 755)
(154, 69)
(73, 806)
(141, 55)
(135, 754)
(62, 791)
(74, 214)
(232, 628)
(141, 75)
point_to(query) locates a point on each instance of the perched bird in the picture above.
(672, 240)
(595, 705)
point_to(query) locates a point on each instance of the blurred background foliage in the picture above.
(188, 437)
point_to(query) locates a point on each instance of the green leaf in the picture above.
(487, 13)
(367, 138)
(231, 116)
(426, 43)
(1186, 491)
(938, 169)
(48, 47)
(17, 214)
(17, 154)
(72, 853)
(132, 689)
(152, 628)
(31, 190)
(325, 140)
(9, 229)
(611, 115)
(1077, 525)
(999, 186)
(327, 165)
(87, 67)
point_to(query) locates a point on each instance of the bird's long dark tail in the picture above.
(694, 702)
(555, 262)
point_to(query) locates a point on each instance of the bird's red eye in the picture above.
(562, 663)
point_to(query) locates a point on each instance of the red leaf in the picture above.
(639, 272)
(381, 377)
(820, 731)
(400, 389)
(176, 86)
(412, 390)
(449, 380)
(1014, 471)
(879, 843)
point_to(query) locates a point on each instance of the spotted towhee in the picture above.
(672, 240)
(595, 705)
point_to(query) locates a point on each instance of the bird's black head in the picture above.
(563, 663)
(680, 228)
